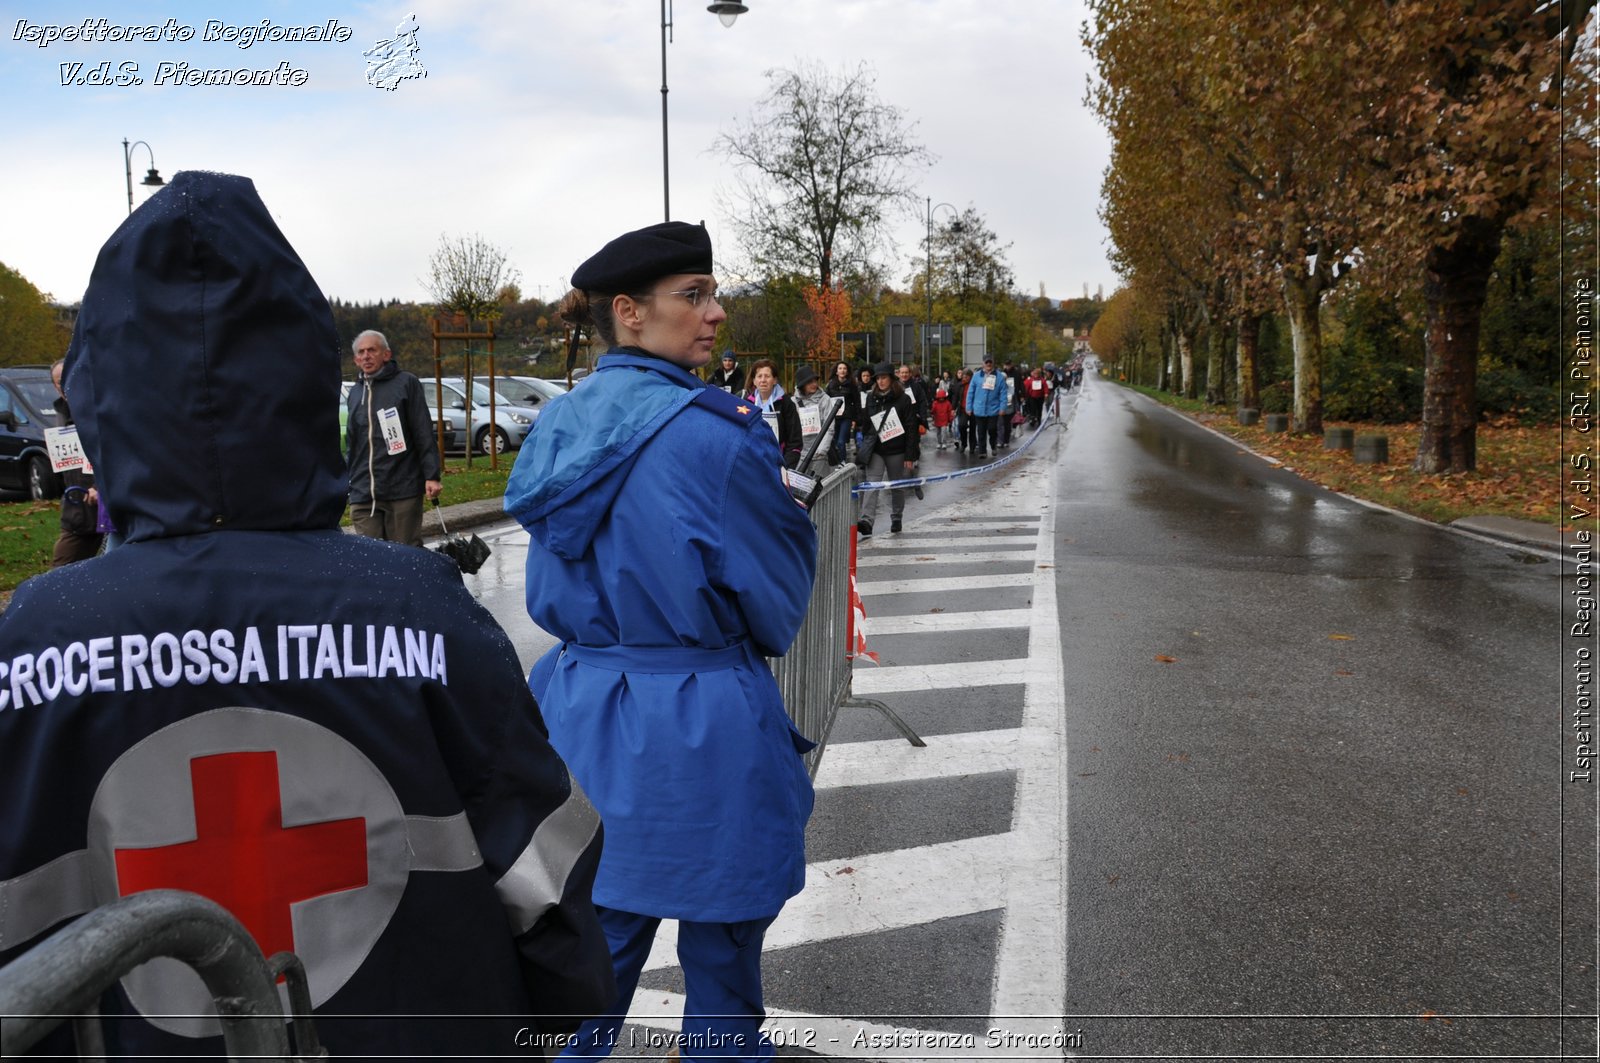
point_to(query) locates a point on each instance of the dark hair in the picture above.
(756, 367)
(582, 309)
(846, 366)
(896, 389)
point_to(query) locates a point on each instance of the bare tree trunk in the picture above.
(1216, 381)
(1455, 282)
(1249, 374)
(1301, 297)
(1186, 363)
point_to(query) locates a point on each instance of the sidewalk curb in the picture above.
(1525, 535)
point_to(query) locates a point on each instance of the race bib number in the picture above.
(66, 452)
(892, 428)
(727, 390)
(772, 422)
(393, 437)
(810, 420)
(988, 383)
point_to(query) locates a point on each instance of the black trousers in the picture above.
(984, 435)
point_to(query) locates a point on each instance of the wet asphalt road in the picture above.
(1316, 759)
(1314, 756)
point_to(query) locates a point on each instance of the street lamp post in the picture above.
(151, 179)
(929, 285)
(728, 12)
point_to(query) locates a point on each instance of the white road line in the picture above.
(871, 682)
(929, 623)
(1028, 523)
(865, 894)
(945, 557)
(949, 756)
(1031, 967)
(1024, 537)
(946, 584)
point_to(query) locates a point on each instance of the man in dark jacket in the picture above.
(80, 538)
(394, 459)
(322, 733)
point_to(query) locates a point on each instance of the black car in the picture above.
(27, 396)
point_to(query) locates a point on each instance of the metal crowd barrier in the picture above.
(60, 979)
(815, 674)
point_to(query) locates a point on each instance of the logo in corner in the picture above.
(395, 60)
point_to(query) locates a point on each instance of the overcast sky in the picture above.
(538, 125)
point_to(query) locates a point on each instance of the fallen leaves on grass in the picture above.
(1518, 475)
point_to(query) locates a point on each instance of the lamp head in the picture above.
(727, 11)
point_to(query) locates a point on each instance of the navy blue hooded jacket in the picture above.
(322, 732)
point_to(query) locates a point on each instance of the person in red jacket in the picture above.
(943, 413)
(1035, 391)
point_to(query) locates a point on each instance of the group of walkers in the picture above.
(881, 414)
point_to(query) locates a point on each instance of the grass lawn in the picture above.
(1518, 474)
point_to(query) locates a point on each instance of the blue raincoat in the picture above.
(668, 557)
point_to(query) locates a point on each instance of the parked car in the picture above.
(449, 442)
(530, 391)
(27, 398)
(511, 423)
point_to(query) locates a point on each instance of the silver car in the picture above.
(530, 391)
(470, 421)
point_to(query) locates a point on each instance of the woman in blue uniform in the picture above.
(667, 555)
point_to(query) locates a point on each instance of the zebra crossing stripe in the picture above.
(946, 584)
(957, 675)
(928, 623)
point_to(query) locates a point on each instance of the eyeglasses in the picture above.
(694, 295)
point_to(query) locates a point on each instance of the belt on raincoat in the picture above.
(669, 660)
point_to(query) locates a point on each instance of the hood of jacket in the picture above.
(204, 370)
(585, 443)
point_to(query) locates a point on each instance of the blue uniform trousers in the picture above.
(721, 963)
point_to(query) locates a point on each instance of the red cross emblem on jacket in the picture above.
(243, 857)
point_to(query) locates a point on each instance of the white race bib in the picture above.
(66, 452)
(771, 417)
(988, 383)
(892, 428)
(810, 420)
(393, 437)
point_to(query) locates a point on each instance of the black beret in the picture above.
(883, 369)
(633, 260)
(803, 376)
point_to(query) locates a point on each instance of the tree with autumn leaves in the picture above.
(1261, 155)
(827, 315)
